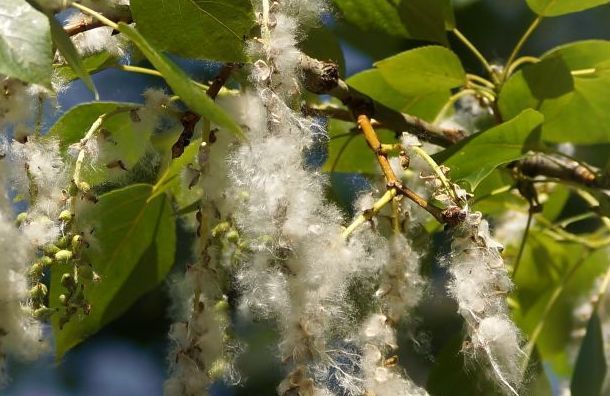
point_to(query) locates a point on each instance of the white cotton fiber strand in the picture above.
(480, 284)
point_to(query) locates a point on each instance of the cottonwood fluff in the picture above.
(480, 284)
(300, 265)
(399, 291)
(201, 350)
(20, 335)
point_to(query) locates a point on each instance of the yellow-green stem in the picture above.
(96, 15)
(526, 35)
(521, 61)
(450, 103)
(369, 214)
(474, 50)
(437, 170)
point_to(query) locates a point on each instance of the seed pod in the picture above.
(65, 216)
(222, 305)
(233, 236)
(21, 218)
(43, 313)
(46, 261)
(221, 228)
(50, 249)
(36, 270)
(84, 187)
(63, 255)
(38, 292)
(62, 242)
(77, 241)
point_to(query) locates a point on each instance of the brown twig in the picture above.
(87, 22)
(554, 166)
(323, 78)
(190, 119)
(392, 181)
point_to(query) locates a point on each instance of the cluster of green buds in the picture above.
(65, 250)
(76, 280)
(229, 241)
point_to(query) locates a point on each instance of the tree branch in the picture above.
(190, 119)
(87, 22)
(323, 78)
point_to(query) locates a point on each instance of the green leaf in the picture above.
(133, 251)
(415, 19)
(348, 151)
(423, 71)
(569, 86)
(25, 43)
(67, 49)
(73, 125)
(91, 64)
(202, 29)
(424, 19)
(371, 83)
(126, 138)
(545, 264)
(474, 158)
(590, 370)
(562, 7)
(167, 179)
(194, 97)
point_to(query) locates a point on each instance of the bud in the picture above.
(38, 292)
(50, 249)
(62, 242)
(21, 218)
(65, 216)
(63, 255)
(46, 261)
(36, 270)
(43, 313)
(222, 305)
(84, 187)
(233, 236)
(77, 241)
(221, 228)
(63, 299)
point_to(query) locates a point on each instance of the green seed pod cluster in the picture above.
(65, 251)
